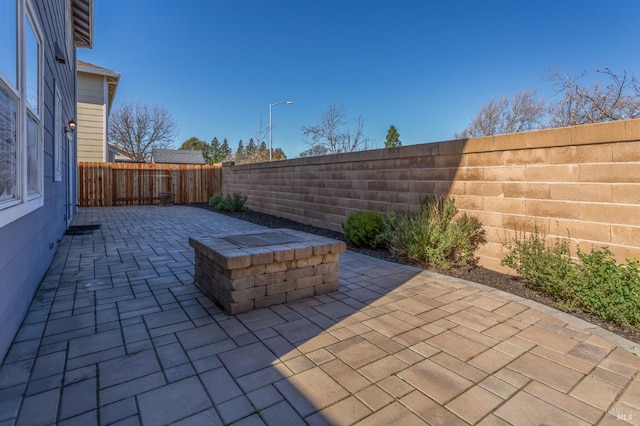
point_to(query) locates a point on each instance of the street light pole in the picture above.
(270, 127)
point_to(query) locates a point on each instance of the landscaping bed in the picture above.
(504, 282)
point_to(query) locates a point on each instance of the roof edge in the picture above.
(95, 69)
(82, 18)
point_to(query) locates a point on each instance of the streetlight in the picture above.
(270, 130)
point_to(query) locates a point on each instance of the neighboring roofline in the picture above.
(83, 66)
(172, 153)
(117, 149)
(113, 78)
(82, 15)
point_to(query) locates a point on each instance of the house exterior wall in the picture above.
(92, 113)
(27, 244)
(580, 182)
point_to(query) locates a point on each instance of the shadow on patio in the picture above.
(118, 334)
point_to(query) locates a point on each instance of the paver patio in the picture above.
(119, 334)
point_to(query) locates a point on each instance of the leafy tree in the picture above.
(250, 151)
(254, 153)
(138, 128)
(331, 134)
(219, 152)
(393, 138)
(262, 153)
(524, 112)
(214, 151)
(240, 152)
(278, 154)
(225, 151)
(195, 144)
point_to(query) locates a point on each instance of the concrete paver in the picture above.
(118, 333)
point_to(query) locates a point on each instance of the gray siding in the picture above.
(91, 88)
(28, 244)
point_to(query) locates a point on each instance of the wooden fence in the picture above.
(113, 184)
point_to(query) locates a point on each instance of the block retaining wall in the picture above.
(581, 182)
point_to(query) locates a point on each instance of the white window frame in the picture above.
(26, 203)
(57, 135)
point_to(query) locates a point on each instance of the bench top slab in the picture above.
(234, 251)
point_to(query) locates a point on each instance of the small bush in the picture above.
(215, 200)
(594, 282)
(610, 289)
(433, 236)
(549, 268)
(364, 229)
(230, 203)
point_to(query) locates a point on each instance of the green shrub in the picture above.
(215, 201)
(230, 203)
(610, 289)
(594, 282)
(433, 236)
(549, 268)
(364, 229)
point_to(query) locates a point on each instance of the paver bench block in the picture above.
(297, 273)
(312, 281)
(271, 278)
(302, 293)
(328, 287)
(274, 299)
(251, 271)
(276, 267)
(330, 258)
(283, 287)
(303, 252)
(284, 255)
(310, 261)
(331, 276)
(321, 250)
(325, 268)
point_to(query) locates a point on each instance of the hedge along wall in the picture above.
(581, 182)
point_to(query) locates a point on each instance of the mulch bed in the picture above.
(504, 282)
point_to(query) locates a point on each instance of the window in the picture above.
(9, 43)
(21, 140)
(8, 149)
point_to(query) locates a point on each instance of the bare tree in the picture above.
(260, 137)
(331, 134)
(524, 112)
(137, 128)
(617, 99)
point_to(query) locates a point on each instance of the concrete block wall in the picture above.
(581, 182)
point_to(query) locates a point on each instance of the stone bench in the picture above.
(243, 272)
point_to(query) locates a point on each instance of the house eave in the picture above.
(82, 15)
(97, 71)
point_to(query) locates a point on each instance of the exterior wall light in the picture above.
(71, 127)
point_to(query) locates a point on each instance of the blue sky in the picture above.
(424, 66)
